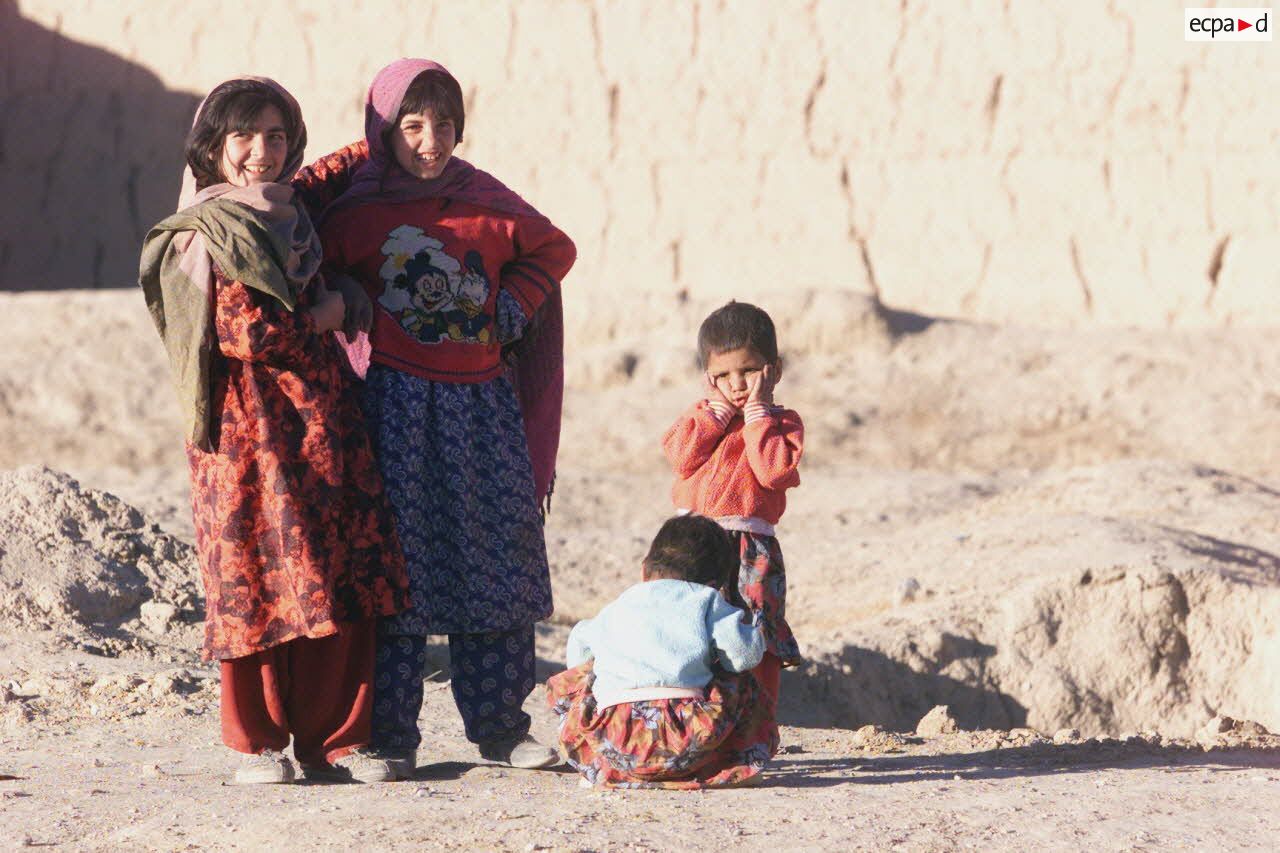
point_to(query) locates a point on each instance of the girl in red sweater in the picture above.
(462, 397)
(735, 453)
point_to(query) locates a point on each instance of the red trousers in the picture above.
(769, 673)
(319, 691)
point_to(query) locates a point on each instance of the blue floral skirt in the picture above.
(456, 467)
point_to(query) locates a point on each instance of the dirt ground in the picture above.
(151, 774)
(1068, 538)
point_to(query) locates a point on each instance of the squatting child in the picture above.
(735, 453)
(655, 696)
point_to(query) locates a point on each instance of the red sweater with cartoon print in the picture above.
(434, 268)
(742, 466)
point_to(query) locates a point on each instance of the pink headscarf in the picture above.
(264, 238)
(274, 202)
(538, 372)
(297, 144)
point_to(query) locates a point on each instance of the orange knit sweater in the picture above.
(741, 467)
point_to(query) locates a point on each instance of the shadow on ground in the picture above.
(1043, 759)
(859, 686)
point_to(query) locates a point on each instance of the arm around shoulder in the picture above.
(319, 184)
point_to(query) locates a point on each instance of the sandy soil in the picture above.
(122, 768)
(1069, 538)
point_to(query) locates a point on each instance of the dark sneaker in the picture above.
(524, 753)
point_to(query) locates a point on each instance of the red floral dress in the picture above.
(292, 527)
(722, 740)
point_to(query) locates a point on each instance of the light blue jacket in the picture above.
(664, 633)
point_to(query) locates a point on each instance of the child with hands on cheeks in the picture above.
(735, 453)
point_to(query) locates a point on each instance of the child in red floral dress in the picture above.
(735, 453)
(297, 544)
(657, 696)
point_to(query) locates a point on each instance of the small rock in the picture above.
(1219, 724)
(1252, 729)
(1062, 736)
(865, 734)
(937, 722)
(152, 771)
(171, 682)
(164, 685)
(157, 616)
(121, 683)
(1213, 731)
(907, 591)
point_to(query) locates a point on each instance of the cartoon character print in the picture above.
(431, 295)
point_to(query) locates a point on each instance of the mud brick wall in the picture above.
(1060, 163)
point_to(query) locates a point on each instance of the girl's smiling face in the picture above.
(256, 154)
(423, 143)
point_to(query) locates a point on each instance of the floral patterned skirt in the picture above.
(457, 472)
(762, 582)
(719, 741)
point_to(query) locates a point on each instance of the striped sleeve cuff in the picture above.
(721, 412)
(756, 411)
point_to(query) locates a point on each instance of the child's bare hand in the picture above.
(713, 393)
(760, 388)
(329, 311)
(359, 309)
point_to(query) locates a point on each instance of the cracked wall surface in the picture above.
(1059, 164)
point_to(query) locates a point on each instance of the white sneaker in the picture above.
(525, 754)
(359, 765)
(266, 768)
(403, 762)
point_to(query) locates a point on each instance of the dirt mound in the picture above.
(84, 562)
(1116, 599)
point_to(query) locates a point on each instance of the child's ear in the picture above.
(777, 370)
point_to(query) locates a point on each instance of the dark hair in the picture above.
(734, 326)
(692, 548)
(231, 107)
(435, 91)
